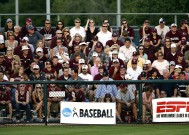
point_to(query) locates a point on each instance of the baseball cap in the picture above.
(173, 45)
(115, 60)
(143, 74)
(123, 66)
(122, 86)
(147, 39)
(128, 77)
(161, 20)
(25, 47)
(99, 45)
(28, 20)
(36, 66)
(107, 95)
(183, 21)
(146, 21)
(180, 54)
(30, 27)
(84, 67)
(147, 62)
(154, 30)
(9, 20)
(39, 49)
(114, 34)
(1, 39)
(145, 67)
(26, 38)
(83, 43)
(95, 54)
(105, 73)
(172, 63)
(173, 25)
(178, 66)
(134, 61)
(135, 53)
(81, 61)
(101, 67)
(95, 38)
(114, 52)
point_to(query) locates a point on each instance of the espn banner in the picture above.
(170, 110)
(88, 113)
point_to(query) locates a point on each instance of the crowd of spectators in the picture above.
(87, 54)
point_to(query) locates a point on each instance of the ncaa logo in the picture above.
(66, 112)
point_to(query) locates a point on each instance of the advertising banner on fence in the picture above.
(171, 110)
(88, 113)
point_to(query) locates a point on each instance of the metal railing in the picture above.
(139, 82)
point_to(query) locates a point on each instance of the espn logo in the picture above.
(171, 106)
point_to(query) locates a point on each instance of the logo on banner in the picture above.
(66, 112)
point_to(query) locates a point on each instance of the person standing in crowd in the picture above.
(126, 27)
(24, 29)
(9, 27)
(104, 35)
(91, 30)
(78, 29)
(162, 29)
(48, 32)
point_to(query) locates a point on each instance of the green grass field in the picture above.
(153, 129)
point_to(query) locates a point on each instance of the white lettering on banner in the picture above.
(88, 113)
(170, 110)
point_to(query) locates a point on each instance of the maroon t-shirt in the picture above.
(73, 63)
(80, 96)
(5, 96)
(174, 37)
(18, 50)
(48, 72)
(118, 77)
(22, 98)
(8, 65)
(111, 71)
(150, 52)
(98, 77)
(111, 42)
(148, 31)
(183, 32)
(57, 67)
(155, 39)
(183, 64)
(25, 61)
(170, 57)
(129, 30)
(111, 63)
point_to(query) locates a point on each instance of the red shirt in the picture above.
(111, 42)
(5, 96)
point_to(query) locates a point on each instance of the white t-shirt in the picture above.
(104, 37)
(160, 66)
(81, 31)
(162, 31)
(134, 73)
(127, 52)
(86, 77)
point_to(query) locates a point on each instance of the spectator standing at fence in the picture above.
(104, 35)
(37, 97)
(182, 86)
(24, 29)
(91, 30)
(125, 27)
(22, 102)
(5, 100)
(184, 29)
(127, 50)
(145, 30)
(48, 32)
(162, 29)
(102, 89)
(9, 27)
(174, 34)
(78, 29)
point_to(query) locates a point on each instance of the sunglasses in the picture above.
(77, 22)
(38, 87)
(48, 63)
(91, 22)
(47, 23)
(21, 86)
(58, 33)
(53, 86)
(141, 49)
(59, 24)
(66, 31)
(35, 69)
(104, 26)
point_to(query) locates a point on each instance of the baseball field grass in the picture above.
(140, 129)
